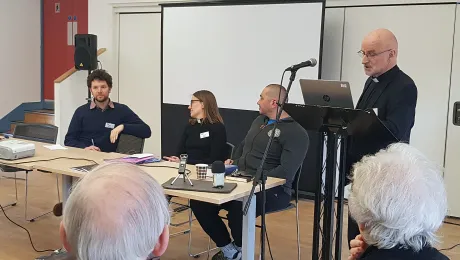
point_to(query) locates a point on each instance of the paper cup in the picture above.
(201, 171)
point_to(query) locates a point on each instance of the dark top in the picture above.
(394, 97)
(286, 155)
(91, 122)
(397, 253)
(204, 143)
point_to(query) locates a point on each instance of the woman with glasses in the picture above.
(204, 139)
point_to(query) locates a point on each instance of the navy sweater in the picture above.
(97, 124)
(204, 143)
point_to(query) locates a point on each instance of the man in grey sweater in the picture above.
(286, 155)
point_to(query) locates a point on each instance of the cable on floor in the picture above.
(28, 233)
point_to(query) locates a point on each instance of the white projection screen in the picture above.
(236, 50)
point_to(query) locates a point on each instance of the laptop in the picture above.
(327, 93)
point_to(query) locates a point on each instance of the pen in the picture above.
(92, 141)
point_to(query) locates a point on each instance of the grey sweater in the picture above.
(286, 154)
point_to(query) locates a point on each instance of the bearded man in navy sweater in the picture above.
(97, 126)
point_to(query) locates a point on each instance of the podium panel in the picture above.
(345, 135)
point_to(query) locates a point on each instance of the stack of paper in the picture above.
(55, 147)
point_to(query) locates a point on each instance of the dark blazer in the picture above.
(427, 253)
(395, 99)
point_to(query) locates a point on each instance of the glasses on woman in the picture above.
(194, 100)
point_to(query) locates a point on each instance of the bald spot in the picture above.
(382, 39)
(112, 197)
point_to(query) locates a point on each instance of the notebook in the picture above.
(136, 159)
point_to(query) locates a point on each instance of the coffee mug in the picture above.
(201, 171)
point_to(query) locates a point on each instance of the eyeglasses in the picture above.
(194, 100)
(371, 54)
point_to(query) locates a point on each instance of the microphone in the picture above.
(218, 174)
(309, 63)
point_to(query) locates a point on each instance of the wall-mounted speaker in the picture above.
(85, 55)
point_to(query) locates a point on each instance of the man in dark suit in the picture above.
(388, 91)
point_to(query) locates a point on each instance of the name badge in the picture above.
(204, 135)
(109, 125)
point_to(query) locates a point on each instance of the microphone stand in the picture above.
(89, 99)
(260, 177)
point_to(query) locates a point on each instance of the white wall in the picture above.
(350, 3)
(432, 81)
(101, 22)
(332, 43)
(452, 176)
(140, 71)
(69, 95)
(20, 45)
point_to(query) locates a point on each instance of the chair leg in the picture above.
(182, 232)
(57, 187)
(16, 187)
(209, 247)
(190, 241)
(12, 204)
(25, 210)
(298, 229)
(27, 189)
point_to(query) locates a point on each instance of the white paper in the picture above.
(141, 155)
(55, 147)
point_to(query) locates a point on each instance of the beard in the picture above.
(101, 99)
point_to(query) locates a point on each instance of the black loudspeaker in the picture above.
(85, 55)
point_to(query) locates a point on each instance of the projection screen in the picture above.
(236, 50)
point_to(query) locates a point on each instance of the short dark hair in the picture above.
(101, 75)
(276, 90)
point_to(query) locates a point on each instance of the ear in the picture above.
(162, 243)
(63, 237)
(392, 53)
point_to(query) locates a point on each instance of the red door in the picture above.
(62, 20)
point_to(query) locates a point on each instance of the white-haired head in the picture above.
(398, 198)
(116, 212)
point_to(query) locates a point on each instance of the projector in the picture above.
(16, 149)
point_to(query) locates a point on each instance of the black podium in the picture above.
(357, 133)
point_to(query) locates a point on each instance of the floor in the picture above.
(15, 245)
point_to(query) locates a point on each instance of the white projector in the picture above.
(16, 149)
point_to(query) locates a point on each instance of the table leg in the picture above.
(66, 185)
(249, 229)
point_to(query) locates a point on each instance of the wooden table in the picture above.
(61, 162)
